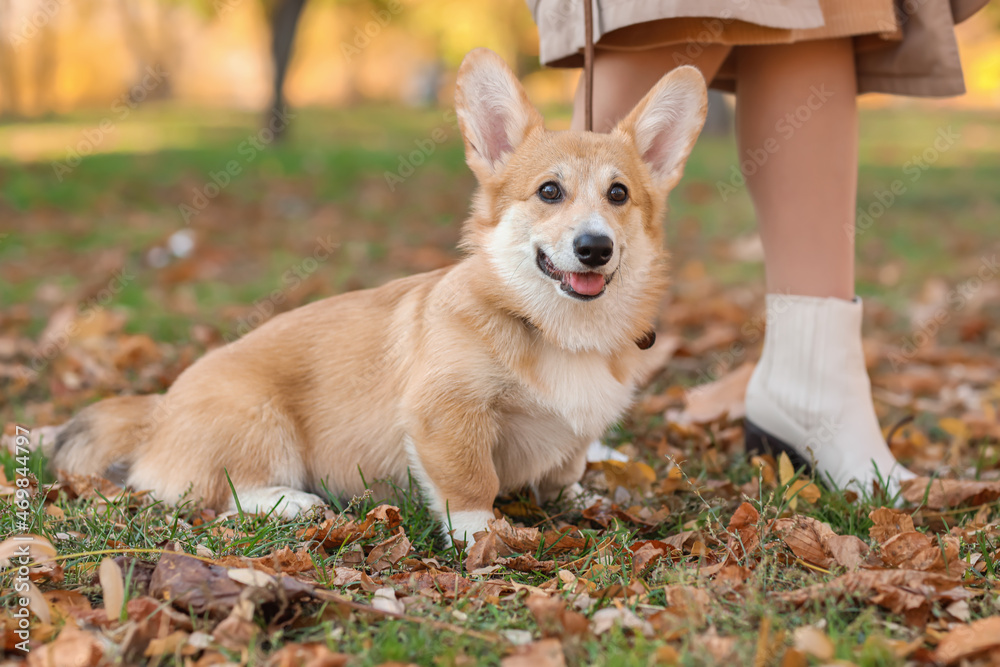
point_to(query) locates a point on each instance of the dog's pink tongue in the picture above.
(589, 284)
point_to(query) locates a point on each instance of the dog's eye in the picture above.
(550, 191)
(618, 193)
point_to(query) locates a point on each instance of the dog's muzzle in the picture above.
(585, 286)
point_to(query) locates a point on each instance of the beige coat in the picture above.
(904, 48)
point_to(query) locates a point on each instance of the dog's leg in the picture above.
(284, 500)
(209, 441)
(453, 460)
(598, 451)
(564, 483)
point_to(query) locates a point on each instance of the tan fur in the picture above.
(479, 378)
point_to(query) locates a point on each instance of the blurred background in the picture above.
(175, 172)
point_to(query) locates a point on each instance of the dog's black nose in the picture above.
(593, 250)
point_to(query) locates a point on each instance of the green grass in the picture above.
(336, 161)
(856, 629)
(62, 241)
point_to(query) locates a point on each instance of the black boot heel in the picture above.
(758, 441)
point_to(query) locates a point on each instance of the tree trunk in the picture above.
(284, 21)
(150, 55)
(9, 90)
(46, 61)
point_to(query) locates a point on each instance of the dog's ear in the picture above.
(493, 111)
(665, 124)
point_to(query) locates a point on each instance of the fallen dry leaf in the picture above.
(889, 523)
(720, 648)
(38, 604)
(336, 532)
(632, 475)
(968, 641)
(813, 641)
(35, 548)
(916, 551)
(794, 658)
(386, 554)
(647, 553)
(384, 599)
(72, 648)
(237, 630)
(716, 335)
(284, 560)
(726, 397)
(542, 653)
(554, 618)
(796, 488)
(528, 563)
(689, 602)
(768, 643)
(342, 576)
(520, 540)
(249, 577)
(312, 654)
(113, 588)
(907, 592)
(665, 655)
(189, 583)
(135, 352)
(67, 604)
(815, 542)
(485, 551)
(743, 534)
(446, 584)
(948, 493)
(604, 619)
(645, 517)
(166, 645)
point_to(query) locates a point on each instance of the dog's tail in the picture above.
(104, 438)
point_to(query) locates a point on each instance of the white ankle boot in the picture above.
(810, 394)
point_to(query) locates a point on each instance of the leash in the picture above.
(588, 65)
(649, 337)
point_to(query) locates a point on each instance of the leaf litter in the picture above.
(673, 551)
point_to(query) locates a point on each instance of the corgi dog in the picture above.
(491, 375)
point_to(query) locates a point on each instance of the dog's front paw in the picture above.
(463, 526)
(598, 451)
(581, 497)
(284, 500)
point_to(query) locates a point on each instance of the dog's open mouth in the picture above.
(583, 286)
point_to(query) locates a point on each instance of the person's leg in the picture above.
(621, 78)
(796, 110)
(796, 115)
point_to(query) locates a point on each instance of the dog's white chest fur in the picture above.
(569, 400)
(580, 387)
